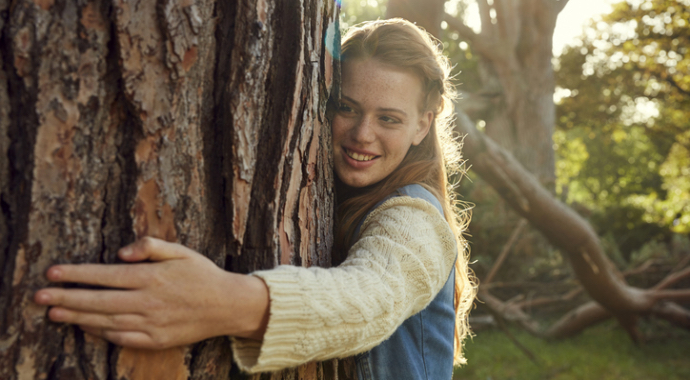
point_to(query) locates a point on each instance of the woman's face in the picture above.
(376, 121)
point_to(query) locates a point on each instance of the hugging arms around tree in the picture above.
(388, 132)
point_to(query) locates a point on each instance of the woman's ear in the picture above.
(423, 127)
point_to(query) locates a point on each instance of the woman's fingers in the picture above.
(134, 339)
(101, 301)
(120, 322)
(119, 275)
(174, 298)
(112, 276)
(148, 248)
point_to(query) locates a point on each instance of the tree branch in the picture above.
(577, 320)
(463, 30)
(478, 143)
(683, 262)
(560, 224)
(681, 295)
(559, 5)
(508, 20)
(510, 312)
(485, 17)
(673, 313)
(504, 252)
(502, 325)
(540, 301)
(479, 42)
(641, 269)
(672, 278)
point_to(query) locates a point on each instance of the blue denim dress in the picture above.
(422, 347)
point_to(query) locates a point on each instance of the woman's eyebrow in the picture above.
(380, 109)
(396, 110)
(349, 99)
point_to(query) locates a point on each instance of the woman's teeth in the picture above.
(359, 157)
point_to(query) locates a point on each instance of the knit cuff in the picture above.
(286, 321)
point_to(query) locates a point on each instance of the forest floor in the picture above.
(602, 352)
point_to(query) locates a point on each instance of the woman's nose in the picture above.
(363, 131)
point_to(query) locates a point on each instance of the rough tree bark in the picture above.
(195, 121)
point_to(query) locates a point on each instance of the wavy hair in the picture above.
(433, 162)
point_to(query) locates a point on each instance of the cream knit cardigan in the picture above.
(402, 259)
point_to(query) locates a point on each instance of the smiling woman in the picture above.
(378, 118)
(399, 300)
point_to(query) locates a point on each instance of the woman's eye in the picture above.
(345, 108)
(388, 119)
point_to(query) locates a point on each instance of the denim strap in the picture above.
(422, 347)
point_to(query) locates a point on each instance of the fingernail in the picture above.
(56, 314)
(126, 252)
(43, 298)
(54, 273)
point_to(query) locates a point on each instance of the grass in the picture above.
(602, 352)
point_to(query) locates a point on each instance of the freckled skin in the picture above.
(379, 114)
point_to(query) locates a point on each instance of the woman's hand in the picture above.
(177, 298)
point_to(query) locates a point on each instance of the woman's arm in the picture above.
(177, 297)
(403, 257)
(401, 260)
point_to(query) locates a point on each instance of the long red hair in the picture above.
(437, 158)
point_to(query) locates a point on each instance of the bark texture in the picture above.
(195, 121)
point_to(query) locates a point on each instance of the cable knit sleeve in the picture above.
(401, 260)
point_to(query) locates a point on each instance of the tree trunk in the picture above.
(427, 14)
(515, 49)
(197, 121)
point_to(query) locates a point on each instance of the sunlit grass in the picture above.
(602, 353)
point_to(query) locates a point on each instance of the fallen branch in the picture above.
(541, 301)
(679, 295)
(511, 313)
(672, 279)
(566, 230)
(682, 263)
(502, 325)
(673, 313)
(577, 320)
(641, 269)
(504, 252)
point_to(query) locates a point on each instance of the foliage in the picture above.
(602, 352)
(355, 11)
(623, 123)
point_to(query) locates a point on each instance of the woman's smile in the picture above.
(359, 159)
(377, 120)
(359, 156)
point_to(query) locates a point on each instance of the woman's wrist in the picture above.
(244, 310)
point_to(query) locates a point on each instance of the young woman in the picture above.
(395, 299)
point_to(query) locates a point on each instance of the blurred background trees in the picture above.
(623, 131)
